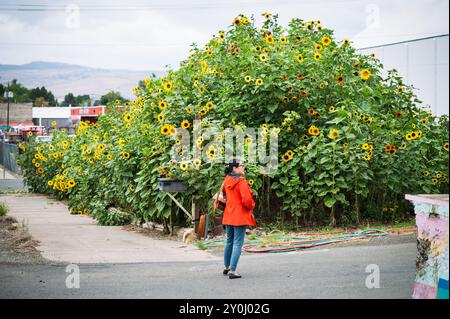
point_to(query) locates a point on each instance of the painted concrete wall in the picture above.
(432, 245)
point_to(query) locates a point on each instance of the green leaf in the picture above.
(284, 180)
(329, 202)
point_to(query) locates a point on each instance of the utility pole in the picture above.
(7, 110)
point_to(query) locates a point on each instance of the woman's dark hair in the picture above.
(230, 166)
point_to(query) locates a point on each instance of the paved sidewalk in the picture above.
(78, 239)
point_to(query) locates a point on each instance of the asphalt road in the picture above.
(330, 272)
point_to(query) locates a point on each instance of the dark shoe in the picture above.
(234, 276)
(225, 271)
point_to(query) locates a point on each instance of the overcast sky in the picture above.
(147, 35)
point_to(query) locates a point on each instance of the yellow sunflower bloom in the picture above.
(299, 58)
(161, 117)
(162, 105)
(185, 124)
(317, 56)
(365, 74)
(259, 82)
(333, 134)
(326, 41)
(270, 39)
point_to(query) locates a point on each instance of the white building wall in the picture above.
(423, 63)
(51, 112)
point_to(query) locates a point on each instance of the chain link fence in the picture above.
(8, 156)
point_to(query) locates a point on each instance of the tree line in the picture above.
(43, 97)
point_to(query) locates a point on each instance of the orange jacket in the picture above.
(240, 202)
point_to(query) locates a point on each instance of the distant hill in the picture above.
(62, 78)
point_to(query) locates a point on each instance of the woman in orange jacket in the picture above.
(237, 215)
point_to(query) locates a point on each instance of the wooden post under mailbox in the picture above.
(195, 215)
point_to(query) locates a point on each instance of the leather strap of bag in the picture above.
(217, 199)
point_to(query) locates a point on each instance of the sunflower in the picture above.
(326, 41)
(317, 114)
(283, 40)
(185, 124)
(419, 134)
(50, 183)
(30, 133)
(322, 85)
(346, 42)
(126, 155)
(333, 134)
(398, 115)
(426, 173)
(55, 155)
(317, 56)
(424, 121)
(259, 82)
(71, 183)
(127, 117)
(183, 166)
(340, 79)
(299, 59)
(263, 57)
(189, 110)
(202, 112)
(258, 49)
(367, 157)
(203, 64)
(161, 117)
(236, 21)
(210, 53)
(53, 123)
(365, 74)
(331, 108)
(197, 162)
(270, 39)
(446, 147)
(209, 105)
(109, 156)
(290, 153)
(434, 181)
(408, 137)
(286, 158)
(247, 78)
(40, 170)
(299, 75)
(100, 147)
(388, 147)
(414, 135)
(266, 15)
(162, 105)
(168, 86)
(318, 47)
(165, 129)
(313, 131)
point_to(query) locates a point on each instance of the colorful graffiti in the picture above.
(432, 244)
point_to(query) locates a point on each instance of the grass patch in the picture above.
(4, 209)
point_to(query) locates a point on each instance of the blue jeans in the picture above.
(235, 241)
